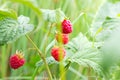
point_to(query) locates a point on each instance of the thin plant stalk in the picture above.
(42, 57)
(3, 61)
(35, 72)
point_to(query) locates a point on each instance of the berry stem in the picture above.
(42, 57)
(46, 38)
(65, 69)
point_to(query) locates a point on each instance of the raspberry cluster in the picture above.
(17, 60)
(62, 36)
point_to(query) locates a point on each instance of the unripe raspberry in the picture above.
(66, 26)
(17, 60)
(64, 38)
(58, 53)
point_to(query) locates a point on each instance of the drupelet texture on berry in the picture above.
(66, 26)
(17, 60)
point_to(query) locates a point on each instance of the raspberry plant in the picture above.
(91, 53)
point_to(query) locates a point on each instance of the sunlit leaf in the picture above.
(108, 9)
(109, 25)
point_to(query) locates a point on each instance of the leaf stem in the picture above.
(42, 57)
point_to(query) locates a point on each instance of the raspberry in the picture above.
(58, 53)
(16, 60)
(66, 26)
(64, 38)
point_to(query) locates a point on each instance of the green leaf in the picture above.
(109, 25)
(76, 72)
(88, 58)
(50, 60)
(111, 52)
(108, 19)
(83, 53)
(108, 9)
(78, 43)
(11, 28)
(53, 15)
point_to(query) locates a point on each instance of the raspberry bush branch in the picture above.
(46, 38)
(42, 57)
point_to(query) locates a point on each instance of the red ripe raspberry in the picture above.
(66, 26)
(16, 60)
(64, 38)
(58, 53)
